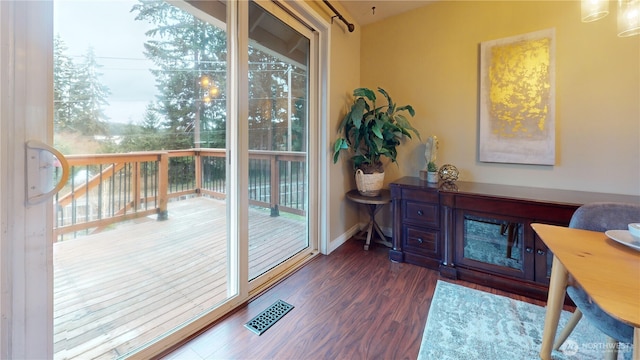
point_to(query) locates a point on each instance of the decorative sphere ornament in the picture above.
(448, 173)
(448, 186)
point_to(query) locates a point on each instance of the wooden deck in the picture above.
(120, 288)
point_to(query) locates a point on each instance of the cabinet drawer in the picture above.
(420, 195)
(423, 241)
(422, 213)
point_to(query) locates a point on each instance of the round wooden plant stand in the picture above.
(373, 204)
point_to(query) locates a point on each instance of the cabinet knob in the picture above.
(540, 252)
(420, 240)
(420, 212)
(529, 250)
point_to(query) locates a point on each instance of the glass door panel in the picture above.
(493, 241)
(278, 123)
(140, 235)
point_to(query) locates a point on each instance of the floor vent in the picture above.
(268, 317)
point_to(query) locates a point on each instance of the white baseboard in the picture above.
(335, 243)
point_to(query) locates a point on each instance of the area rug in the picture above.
(465, 323)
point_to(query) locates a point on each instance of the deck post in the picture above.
(163, 186)
(136, 186)
(197, 158)
(275, 186)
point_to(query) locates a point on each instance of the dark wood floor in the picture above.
(352, 304)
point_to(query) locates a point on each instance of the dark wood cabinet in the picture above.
(418, 236)
(496, 246)
(482, 232)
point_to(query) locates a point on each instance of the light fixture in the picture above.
(593, 10)
(210, 89)
(204, 81)
(628, 17)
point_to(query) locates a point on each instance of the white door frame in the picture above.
(26, 111)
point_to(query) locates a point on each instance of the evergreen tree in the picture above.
(140, 137)
(151, 122)
(63, 79)
(89, 97)
(268, 108)
(186, 50)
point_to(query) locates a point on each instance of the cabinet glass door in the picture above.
(491, 243)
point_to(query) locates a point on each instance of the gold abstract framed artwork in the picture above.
(517, 99)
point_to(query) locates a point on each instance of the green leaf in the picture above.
(358, 160)
(335, 157)
(391, 107)
(409, 108)
(386, 95)
(368, 93)
(376, 128)
(340, 144)
(368, 118)
(357, 110)
(404, 124)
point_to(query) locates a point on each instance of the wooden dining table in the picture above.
(608, 271)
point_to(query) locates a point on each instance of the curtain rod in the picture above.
(350, 26)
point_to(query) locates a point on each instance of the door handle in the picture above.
(38, 175)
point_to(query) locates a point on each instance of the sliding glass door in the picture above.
(189, 165)
(278, 123)
(140, 245)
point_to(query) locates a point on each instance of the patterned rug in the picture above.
(464, 323)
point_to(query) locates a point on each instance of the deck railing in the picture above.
(105, 189)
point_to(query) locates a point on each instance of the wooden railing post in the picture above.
(135, 186)
(275, 186)
(163, 186)
(197, 158)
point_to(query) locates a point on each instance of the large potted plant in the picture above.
(369, 132)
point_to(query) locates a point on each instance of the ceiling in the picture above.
(360, 11)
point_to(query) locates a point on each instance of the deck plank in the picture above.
(134, 282)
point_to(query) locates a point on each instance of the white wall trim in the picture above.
(343, 238)
(354, 230)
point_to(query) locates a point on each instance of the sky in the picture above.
(117, 39)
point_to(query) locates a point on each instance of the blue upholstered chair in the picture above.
(599, 217)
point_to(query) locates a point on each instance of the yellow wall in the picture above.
(429, 58)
